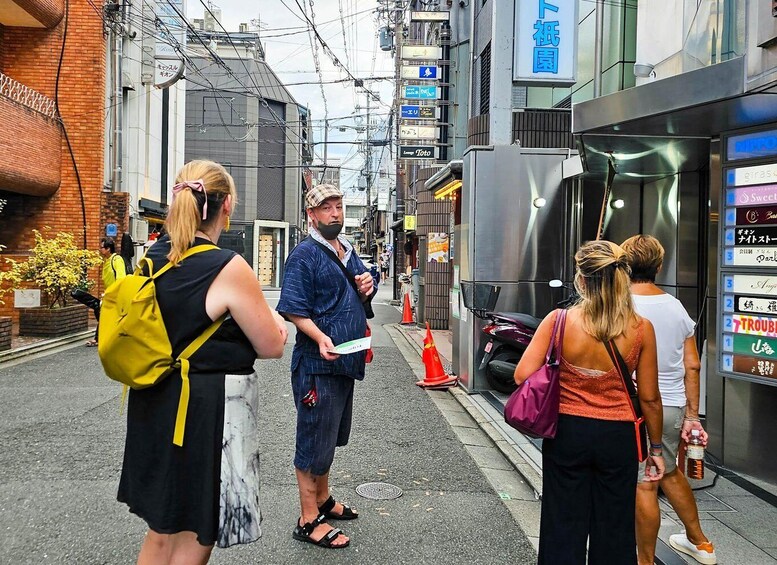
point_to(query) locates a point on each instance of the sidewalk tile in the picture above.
(489, 457)
(527, 514)
(472, 436)
(509, 483)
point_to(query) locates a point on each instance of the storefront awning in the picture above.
(664, 126)
(443, 179)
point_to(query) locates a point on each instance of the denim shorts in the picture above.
(325, 426)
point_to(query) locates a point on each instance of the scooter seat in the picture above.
(518, 318)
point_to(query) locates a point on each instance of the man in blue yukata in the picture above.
(324, 292)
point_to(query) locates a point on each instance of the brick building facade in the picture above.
(52, 89)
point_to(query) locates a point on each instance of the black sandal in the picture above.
(302, 533)
(328, 505)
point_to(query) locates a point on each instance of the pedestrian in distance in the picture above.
(678, 381)
(327, 309)
(114, 268)
(204, 492)
(589, 469)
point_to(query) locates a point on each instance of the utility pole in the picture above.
(399, 241)
(368, 173)
(326, 141)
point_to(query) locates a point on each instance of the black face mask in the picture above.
(330, 231)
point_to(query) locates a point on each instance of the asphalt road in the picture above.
(61, 451)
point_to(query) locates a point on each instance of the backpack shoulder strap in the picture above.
(189, 252)
(183, 362)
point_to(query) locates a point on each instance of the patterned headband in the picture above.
(196, 186)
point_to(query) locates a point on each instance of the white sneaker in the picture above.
(703, 553)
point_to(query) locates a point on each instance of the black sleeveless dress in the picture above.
(210, 485)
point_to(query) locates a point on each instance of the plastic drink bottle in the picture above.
(695, 457)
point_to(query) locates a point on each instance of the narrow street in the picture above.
(61, 450)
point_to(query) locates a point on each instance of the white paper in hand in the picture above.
(352, 346)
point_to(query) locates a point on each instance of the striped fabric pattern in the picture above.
(314, 287)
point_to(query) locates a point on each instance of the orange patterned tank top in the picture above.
(598, 394)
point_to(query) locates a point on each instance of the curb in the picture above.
(43, 348)
(489, 426)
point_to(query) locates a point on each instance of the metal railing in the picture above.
(27, 97)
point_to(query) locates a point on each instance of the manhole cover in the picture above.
(378, 491)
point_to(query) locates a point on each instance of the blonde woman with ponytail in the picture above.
(590, 469)
(204, 492)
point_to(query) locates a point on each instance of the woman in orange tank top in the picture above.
(590, 468)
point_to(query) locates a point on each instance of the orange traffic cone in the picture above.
(435, 374)
(407, 311)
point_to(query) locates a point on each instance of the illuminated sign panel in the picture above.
(748, 176)
(545, 41)
(751, 145)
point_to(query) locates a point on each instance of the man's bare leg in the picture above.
(680, 496)
(309, 486)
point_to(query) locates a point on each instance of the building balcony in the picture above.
(31, 13)
(30, 140)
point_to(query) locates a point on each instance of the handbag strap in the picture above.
(628, 384)
(336, 259)
(561, 319)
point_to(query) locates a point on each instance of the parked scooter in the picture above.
(509, 335)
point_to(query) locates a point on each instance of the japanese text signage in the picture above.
(420, 72)
(748, 267)
(409, 112)
(414, 92)
(545, 41)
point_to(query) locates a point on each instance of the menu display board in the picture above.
(748, 273)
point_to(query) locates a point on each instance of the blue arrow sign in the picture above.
(409, 112)
(427, 72)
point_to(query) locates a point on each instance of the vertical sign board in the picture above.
(417, 132)
(410, 112)
(545, 42)
(162, 63)
(421, 52)
(747, 316)
(420, 72)
(416, 92)
(417, 152)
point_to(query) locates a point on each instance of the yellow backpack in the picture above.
(132, 339)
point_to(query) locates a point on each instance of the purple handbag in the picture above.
(533, 408)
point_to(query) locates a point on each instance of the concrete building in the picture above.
(329, 174)
(239, 114)
(668, 127)
(152, 124)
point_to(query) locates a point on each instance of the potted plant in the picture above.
(56, 266)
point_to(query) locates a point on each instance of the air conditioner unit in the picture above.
(138, 230)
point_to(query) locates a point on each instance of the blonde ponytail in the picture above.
(183, 221)
(602, 280)
(187, 211)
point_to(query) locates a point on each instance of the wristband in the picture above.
(656, 445)
(655, 454)
(689, 419)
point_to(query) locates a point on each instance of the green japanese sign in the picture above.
(755, 345)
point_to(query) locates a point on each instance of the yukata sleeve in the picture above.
(298, 286)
